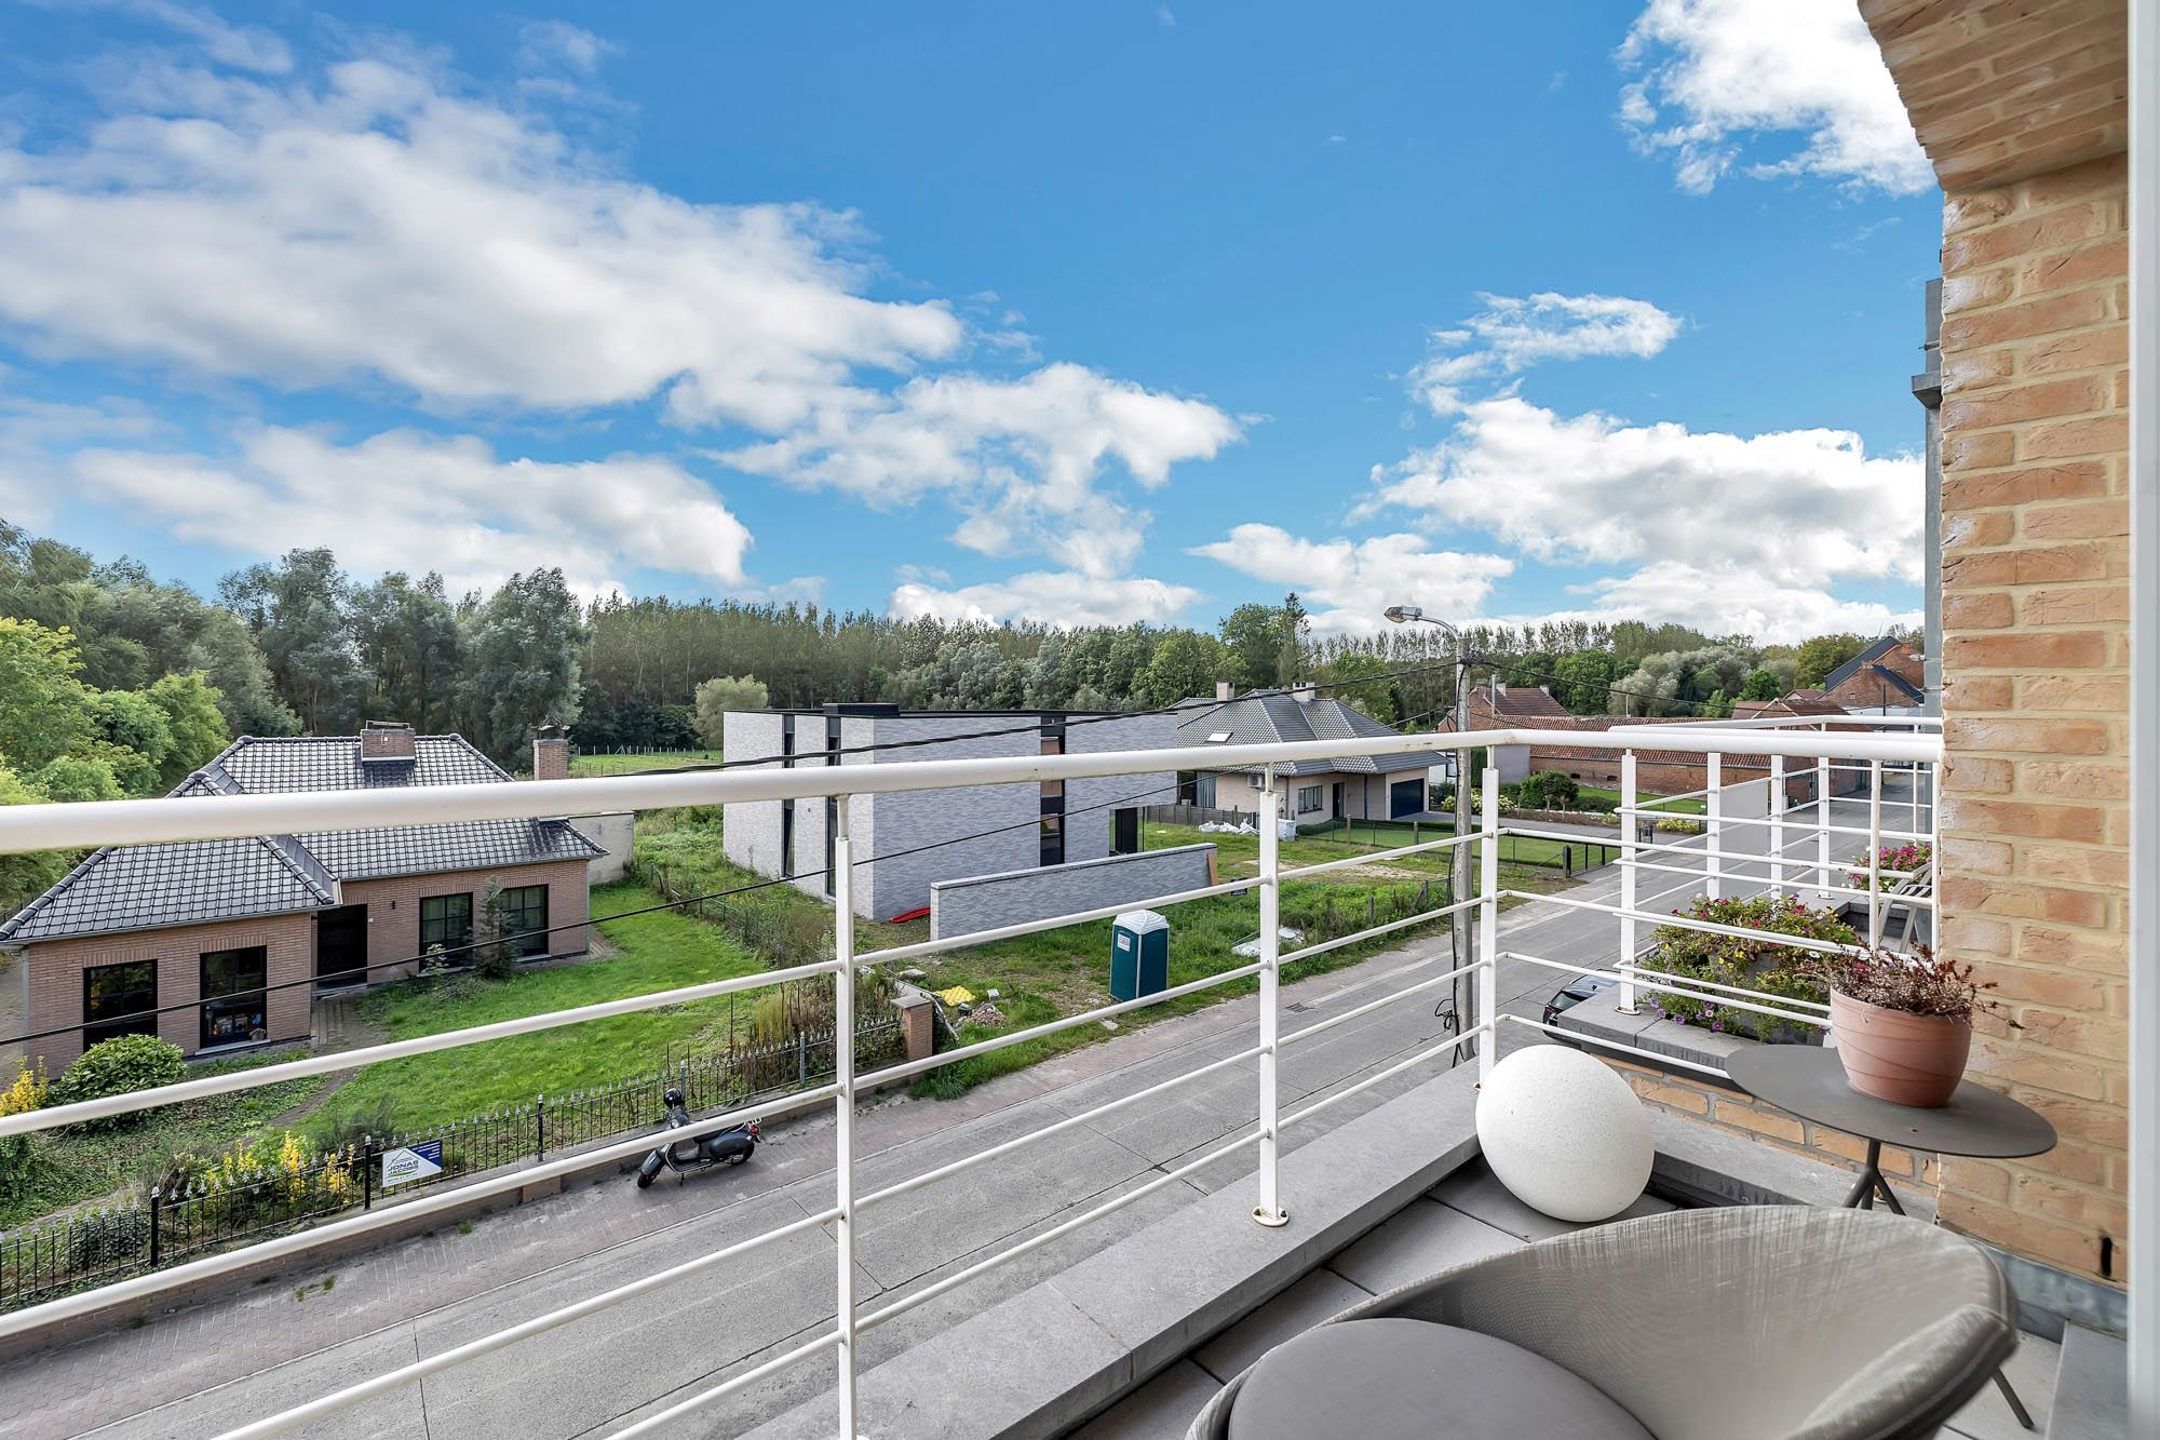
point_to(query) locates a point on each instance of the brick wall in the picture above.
(55, 969)
(393, 934)
(2036, 673)
(1713, 1105)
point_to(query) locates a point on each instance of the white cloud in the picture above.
(402, 500)
(244, 47)
(1791, 508)
(1021, 458)
(379, 224)
(1346, 583)
(1511, 334)
(544, 44)
(1718, 74)
(1062, 598)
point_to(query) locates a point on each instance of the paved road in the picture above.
(228, 1360)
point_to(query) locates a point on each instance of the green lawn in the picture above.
(652, 952)
(582, 765)
(1062, 972)
(66, 1169)
(1691, 805)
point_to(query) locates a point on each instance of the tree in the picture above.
(1762, 684)
(77, 777)
(136, 726)
(1295, 631)
(300, 613)
(1816, 658)
(25, 877)
(1184, 667)
(408, 644)
(1585, 681)
(44, 711)
(197, 724)
(1253, 636)
(1354, 680)
(523, 654)
(723, 693)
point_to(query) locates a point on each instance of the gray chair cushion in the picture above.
(1412, 1380)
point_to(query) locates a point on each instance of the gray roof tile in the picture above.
(1269, 719)
(145, 887)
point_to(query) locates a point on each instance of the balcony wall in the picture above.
(2021, 110)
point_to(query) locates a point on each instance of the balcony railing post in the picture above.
(1269, 1211)
(1714, 830)
(1874, 853)
(843, 878)
(1822, 830)
(1628, 823)
(1777, 825)
(1484, 981)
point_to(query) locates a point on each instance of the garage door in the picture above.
(1405, 797)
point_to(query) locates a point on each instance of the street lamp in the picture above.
(1459, 858)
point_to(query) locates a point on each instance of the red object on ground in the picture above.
(906, 915)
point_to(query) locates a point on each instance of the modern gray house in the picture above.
(905, 843)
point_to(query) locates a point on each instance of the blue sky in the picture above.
(1099, 312)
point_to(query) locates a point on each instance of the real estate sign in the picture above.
(411, 1162)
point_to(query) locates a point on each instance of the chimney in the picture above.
(386, 740)
(1224, 690)
(551, 753)
(1304, 694)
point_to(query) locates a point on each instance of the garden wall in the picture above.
(1015, 897)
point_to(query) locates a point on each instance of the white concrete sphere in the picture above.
(1564, 1133)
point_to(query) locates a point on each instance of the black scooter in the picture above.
(694, 1152)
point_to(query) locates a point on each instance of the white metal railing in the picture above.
(1713, 858)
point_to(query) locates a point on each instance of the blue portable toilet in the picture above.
(1139, 955)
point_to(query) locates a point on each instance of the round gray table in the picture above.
(1810, 1082)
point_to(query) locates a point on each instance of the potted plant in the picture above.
(1903, 1022)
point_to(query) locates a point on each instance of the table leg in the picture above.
(1872, 1183)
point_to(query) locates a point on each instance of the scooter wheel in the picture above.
(644, 1181)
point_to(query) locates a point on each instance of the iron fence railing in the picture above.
(190, 1216)
(1800, 851)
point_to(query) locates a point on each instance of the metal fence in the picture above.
(196, 1217)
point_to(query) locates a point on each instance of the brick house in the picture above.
(1311, 792)
(225, 943)
(1889, 677)
(1657, 772)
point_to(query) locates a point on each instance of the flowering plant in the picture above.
(1894, 864)
(1919, 983)
(1766, 966)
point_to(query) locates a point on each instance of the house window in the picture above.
(524, 911)
(235, 1005)
(446, 920)
(1308, 800)
(119, 1000)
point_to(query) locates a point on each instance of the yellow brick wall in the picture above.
(2036, 660)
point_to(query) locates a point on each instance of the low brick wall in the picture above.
(1705, 1102)
(1014, 897)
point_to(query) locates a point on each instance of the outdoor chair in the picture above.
(1744, 1323)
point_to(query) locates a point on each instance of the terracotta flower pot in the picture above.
(1891, 1055)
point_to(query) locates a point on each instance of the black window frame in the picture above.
(137, 1001)
(516, 900)
(455, 940)
(1319, 799)
(238, 1012)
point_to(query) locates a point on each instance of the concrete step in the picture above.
(2092, 1388)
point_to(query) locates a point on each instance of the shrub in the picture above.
(1549, 790)
(1776, 970)
(104, 1239)
(119, 1066)
(1895, 864)
(17, 1164)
